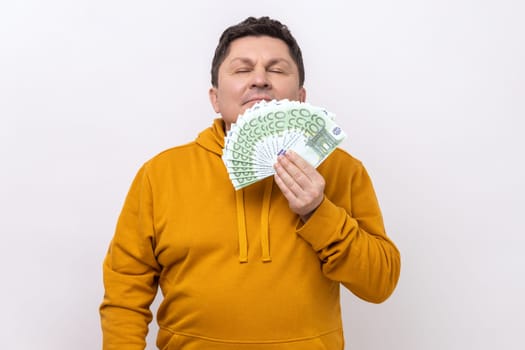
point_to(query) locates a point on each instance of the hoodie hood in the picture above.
(212, 139)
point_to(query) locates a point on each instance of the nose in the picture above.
(260, 79)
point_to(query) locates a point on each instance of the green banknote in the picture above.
(269, 129)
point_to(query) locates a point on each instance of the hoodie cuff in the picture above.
(325, 224)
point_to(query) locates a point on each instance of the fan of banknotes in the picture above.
(269, 129)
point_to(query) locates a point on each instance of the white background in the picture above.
(431, 94)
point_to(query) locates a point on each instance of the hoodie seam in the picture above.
(235, 341)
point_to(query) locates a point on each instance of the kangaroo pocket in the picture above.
(168, 340)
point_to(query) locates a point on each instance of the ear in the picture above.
(214, 99)
(302, 94)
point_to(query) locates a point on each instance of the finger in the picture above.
(304, 186)
(295, 170)
(305, 167)
(299, 161)
(282, 169)
(287, 193)
(298, 205)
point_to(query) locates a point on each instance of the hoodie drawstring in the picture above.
(212, 139)
(241, 227)
(241, 224)
(265, 218)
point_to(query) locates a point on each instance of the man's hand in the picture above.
(300, 183)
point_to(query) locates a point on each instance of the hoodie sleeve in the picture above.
(353, 246)
(130, 272)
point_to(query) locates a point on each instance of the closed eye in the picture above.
(243, 70)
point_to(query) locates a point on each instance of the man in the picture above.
(257, 268)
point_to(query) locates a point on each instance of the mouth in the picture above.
(253, 100)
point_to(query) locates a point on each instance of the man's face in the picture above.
(255, 69)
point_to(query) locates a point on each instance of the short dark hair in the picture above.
(252, 26)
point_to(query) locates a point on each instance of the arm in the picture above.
(130, 272)
(351, 244)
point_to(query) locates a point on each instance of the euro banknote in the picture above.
(268, 129)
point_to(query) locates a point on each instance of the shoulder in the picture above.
(172, 156)
(175, 152)
(341, 160)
